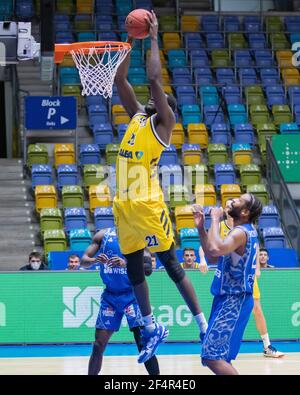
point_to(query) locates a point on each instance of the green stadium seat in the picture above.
(254, 95)
(250, 174)
(178, 196)
(54, 240)
(65, 7)
(167, 23)
(37, 154)
(50, 219)
(72, 196)
(236, 41)
(265, 130)
(198, 174)
(93, 174)
(111, 153)
(260, 191)
(273, 24)
(217, 153)
(282, 114)
(259, 114)
(220, 58)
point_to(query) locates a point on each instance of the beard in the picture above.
(235, 212)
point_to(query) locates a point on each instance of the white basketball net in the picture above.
(97, 70)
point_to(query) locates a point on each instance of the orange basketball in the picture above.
(136, 25)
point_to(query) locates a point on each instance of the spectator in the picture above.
(35, 262)
(74, 262)
(189, 259)
(264, 258)
(153, 261)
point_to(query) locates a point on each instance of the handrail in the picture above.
(283, 200)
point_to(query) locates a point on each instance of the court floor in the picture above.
(174, 359)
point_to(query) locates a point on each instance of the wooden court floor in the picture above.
(246, 364)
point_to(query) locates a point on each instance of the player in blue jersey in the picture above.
(232, 286)
(117, 299)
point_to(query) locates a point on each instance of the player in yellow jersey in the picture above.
(141, 215)
(260, 321)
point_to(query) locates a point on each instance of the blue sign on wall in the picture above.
(50, 112)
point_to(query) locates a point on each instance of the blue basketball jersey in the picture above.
(235, 273)
(115, 278)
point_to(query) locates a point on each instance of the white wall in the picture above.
(243, 5)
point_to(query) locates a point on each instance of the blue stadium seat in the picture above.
(198, 58)
(75, 218)
(252, 24)
(210, 23)
(64, 37)
(170, 175)
(243, 58)
(169, 156)
(220, 134)
(214, 40)
(224, 174)
(225, 76)
(209, 95)
(232, 95)
(257, 40)
(108, 36)
(193, 40)
(96, 109)
(203, 76)
(275, 95)
(103, 134)
(190, 114)
(292, 23)
(24, 9)
(269, 76)
(294, 95)
(80, 239)
(248, 77)
(103, 218)
(297, 114)
(98, 119)
(189, 238)
(213, 114)
(67, 175)
(231, 23)
(185, 95)
(289, 128)
(237, 113)
(269, 218)
(274, 238)
(41, 175)
(89, 154)
(181, 75)
(95, 100)
(69, 75)
(263, 58)
(122, 127)
(244, 133)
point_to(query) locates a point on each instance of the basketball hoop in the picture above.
(97, 63)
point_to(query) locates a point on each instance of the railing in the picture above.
(283, 200)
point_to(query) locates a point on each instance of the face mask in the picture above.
(35, 265)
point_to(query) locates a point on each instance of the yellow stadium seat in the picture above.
(184, 217)
(171, 41)
(242, 157)
(191, 156)
(64, 154)
(45, 197)
(290, 76)
(189, 23)
(177, 135)
(119, 115)
(229, 191)
(68, 61)
(197, 134)
(168, 89)
(284, 58)
(99, 196)
(85, 6)
(165, 77)
(205, 195)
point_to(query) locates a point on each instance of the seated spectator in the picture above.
(35, 262)
(74, 262)
(189, 259)
(264, 258)
(153, 261)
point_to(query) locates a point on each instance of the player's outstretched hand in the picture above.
(199, 217)
(153, 23)
(203, 268)
(217, 213)
(102, 258)
(116, 261)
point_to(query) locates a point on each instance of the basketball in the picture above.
(136, 25)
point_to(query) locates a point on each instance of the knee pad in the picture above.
(171, 264)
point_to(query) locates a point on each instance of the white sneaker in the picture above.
(271, 352)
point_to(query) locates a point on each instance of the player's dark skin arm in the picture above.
(164, 119)
(88, 259)
(212, 244)
(125, 90)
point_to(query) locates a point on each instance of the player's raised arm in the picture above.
(88, 259)
(125, 90)
(165, 118)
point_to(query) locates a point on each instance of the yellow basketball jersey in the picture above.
(138, 157)
(224, 229)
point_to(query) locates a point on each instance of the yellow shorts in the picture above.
(143, 224)
(256, 291)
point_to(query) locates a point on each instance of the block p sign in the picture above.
(2, 314)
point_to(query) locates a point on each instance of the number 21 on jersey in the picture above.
(152, 241)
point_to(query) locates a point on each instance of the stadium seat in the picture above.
(213, 114)
(178, 195)
(203, 76)
(191, 154)
(225, 76)
(220, 134)
(269, 76)
(254, 95)
(177, 138)
(210, 23)
(189, 23)
(37, 154)
(282, 114)
(237, 113)
(122, 127)
(171, 41)
(189, 238)
(169, 156)
(50, 219)
(229, 191)
(250, 174)
(275, 95)
(80, 239)
(220, 58)
(260, 191)
(224, 174)
(274, 238)
(93, 174)
(67, 175)
(89, 154)
(289, 128)
(269, 218)
(205, 195)
(231, 23)
(103, 218)
(170, 175)
(41, 175)
(217, 153)
(167, 23)
(54, 240)
(196, 174)
(264, 58)
(190, 114)
(259, 114)
(265, 130)
(209, 95)
(119, 115)
(241, 154)
(247, 76)
(184, 217)
(236, 41)
(273, 24)
(111, 153)
(99, 196)
(103, 135)
(64, 154)
(45, 197)
(75, 218)
(232, 95)
(72, 196)
(244, 134)
(197, 134)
